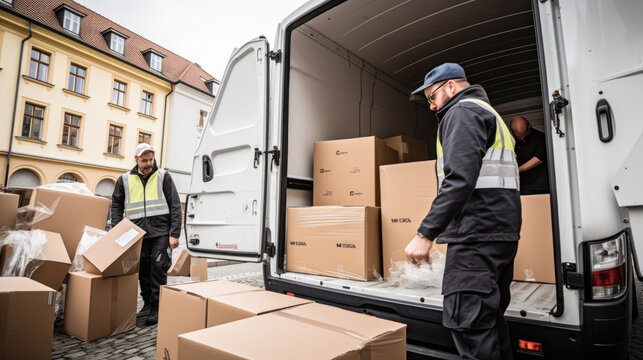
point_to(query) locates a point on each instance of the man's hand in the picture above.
(174, 242)
(418, 249)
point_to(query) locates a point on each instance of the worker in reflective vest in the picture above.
(146, 195)
(476, 212)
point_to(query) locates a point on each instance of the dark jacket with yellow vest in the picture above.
(466, 209)
(152, 202)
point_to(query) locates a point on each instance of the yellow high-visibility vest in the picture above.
(144, 201)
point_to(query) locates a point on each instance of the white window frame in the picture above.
(71, 22)
(156, 62)
(117, 43)
(147, 99)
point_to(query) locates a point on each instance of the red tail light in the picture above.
(530, 345)
(290, 294)
(609, 277)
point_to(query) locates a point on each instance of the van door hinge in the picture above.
(555, 109)
(270, 249)
(571, 278)
(275, 55)
(276, 155)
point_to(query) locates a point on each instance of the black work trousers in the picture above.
(477, 277)
(156, 259)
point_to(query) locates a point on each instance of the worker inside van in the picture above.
(531, 155)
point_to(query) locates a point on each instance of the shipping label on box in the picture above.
(337, 241)
(346, 171)
(116, 253)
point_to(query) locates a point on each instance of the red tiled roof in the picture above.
(175, 68)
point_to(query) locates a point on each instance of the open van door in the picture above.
(224, 212)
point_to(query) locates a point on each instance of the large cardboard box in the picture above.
(26, 319)
(187, 307)
(408, 190)
(535, 258)
(181, 267)
(309, 331)
(96, 307)
(49, 267)
(116, 253)
(338, 241)
(72, 213)
(8, 210)
(346, 171)
(408, 148)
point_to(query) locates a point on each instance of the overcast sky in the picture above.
(202, 31)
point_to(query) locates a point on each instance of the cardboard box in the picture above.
(346, 172)
(26, 319)
(198, 269)
(408, 190)
(72, 213)
(408, 148)
(316, 332)
(187, 307)
(117, 253)
(49, 267)
(338, 241)
(535, 258)
(8, 210)
(181, 266)
(96, 307)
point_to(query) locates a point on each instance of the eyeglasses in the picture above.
(431, 96)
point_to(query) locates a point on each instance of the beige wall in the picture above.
(90, 159)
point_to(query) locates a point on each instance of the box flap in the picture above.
(259, 302)
(54, 249)
(213, 288)
(21, 284)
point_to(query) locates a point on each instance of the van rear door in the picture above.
(224, 214)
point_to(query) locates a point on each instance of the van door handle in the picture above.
(605, 121)
(208, 170)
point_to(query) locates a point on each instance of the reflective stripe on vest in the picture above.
(499, 165)
(144, 201)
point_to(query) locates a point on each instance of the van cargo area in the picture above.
(350, 72)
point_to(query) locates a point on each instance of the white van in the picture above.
(345, 69)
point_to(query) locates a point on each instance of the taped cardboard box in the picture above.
(117, 253)
(181, 267)
(408, 190)
(72, 213)
(408, 148)
(337, 241)
(96, 307)
(39, 255)
(188, 307)
(26, 319)
(8, 210)
(535, 257)
(298, 334)
(346, 172)
(198, 269)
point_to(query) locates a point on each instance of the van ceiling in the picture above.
(494, 40)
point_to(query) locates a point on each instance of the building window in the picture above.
(118, 95)
(144, 137)
(156, 62)
(71, 130)
(67, 178)
(71, 22)
(114, 142)
(117, 43)
(146, 103)
(24, 178)
(39, 64)
(202, 117)
(32, 121)
(76, 81)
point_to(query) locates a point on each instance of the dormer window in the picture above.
(154, 59)
(69, 18)
(115, 40)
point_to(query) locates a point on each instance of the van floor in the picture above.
(529, 300)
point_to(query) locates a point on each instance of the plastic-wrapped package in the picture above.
(90, 237)
(32, 214)
(422, 276)
(71, 187)
(25, 246)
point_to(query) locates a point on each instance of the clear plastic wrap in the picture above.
(60, 302)
(90, 237)
(22, 248)
(72, 187)
(422, 276)
(32, 214)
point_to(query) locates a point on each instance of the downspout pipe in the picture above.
(163, 133)
(15, 105)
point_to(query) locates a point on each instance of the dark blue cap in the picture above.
(446, 71)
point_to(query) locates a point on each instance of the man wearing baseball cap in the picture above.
(476, 212)
(147, 196)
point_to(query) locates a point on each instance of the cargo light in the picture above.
(530, 346)
(290, 294)
(607, 261)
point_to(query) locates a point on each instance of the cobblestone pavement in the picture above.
(140, 343)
